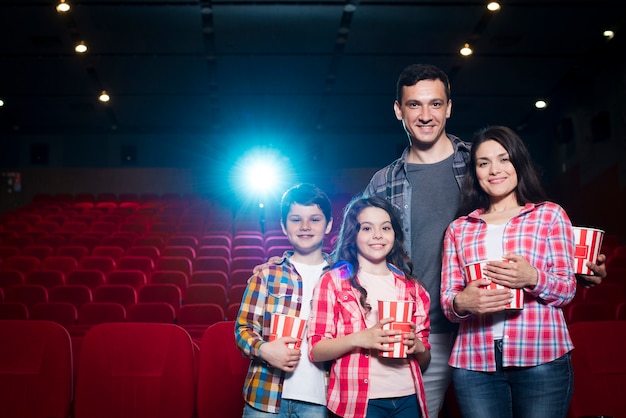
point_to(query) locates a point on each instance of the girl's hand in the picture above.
(375, 337)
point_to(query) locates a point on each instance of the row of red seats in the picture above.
(119, 369)
(606, 301)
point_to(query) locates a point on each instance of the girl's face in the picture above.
(376, 236)
(495, 172)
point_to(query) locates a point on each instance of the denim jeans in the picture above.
(289, 409)
(402, 407)
(521, 392)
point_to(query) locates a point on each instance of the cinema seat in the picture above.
(35, 369)
(135, 370)
(599, 369)
(219, 356)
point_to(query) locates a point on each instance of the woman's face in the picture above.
(494, 171)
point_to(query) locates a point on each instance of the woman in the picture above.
(509, 362)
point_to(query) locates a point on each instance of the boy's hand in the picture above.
(278, 355)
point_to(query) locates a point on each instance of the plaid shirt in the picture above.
(541, 233)
(336, 312)
(277, 288)
(391, 183)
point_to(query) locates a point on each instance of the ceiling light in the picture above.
(541, 104)
(493, 6)
(1, 103)
(63, 7)
(349, 8)
(81, 47)
(608, 34)
(104, 96)
(466, 50)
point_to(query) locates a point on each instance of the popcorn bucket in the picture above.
(287, 326)
(588, 242)
(475, 272)
(401, 311)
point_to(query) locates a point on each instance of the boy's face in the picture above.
(306, 227)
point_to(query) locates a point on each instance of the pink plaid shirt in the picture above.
(336, 312)
(542, 233)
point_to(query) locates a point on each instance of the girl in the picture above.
(345, 327)
(509, 363)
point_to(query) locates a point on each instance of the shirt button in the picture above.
(506, 337)
(345, 297)
(365, 381)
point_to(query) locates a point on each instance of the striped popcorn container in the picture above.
(402, 312)
(588, 242)
(287, 326)
(475, 271)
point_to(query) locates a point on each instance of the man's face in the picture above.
(424, 111)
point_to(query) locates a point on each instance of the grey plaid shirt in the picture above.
(391, 183)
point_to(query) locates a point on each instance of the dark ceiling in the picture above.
(207, 67)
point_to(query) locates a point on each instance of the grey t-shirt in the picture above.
(435, 200)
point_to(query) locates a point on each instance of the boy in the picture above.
(281, 379)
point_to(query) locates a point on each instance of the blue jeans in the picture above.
(289, 409)
(402, 407)
(521, 392)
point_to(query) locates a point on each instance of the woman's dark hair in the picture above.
(346, 248)
(528, 190)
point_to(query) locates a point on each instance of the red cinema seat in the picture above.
(195, 318)
(90, 278)
(94, 313)
(219, 356)
(46, 278)
(161, 292)
(62, 263)
(28, 294)
(206, 293)
(599, 369)
(35, 369)
(209, 276)
(123, 294)
(136, 370)
(144, 250)
(63, 313)
(76, 294)
(13, 310)
(22, 263)
(156, 312)
(113, 251)
(176, 263)
(134, 278)
(136, 262)
(10, 277)
(177, 278)
(103, 263)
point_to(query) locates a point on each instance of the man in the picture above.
(423, 185)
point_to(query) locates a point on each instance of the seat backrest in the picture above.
(22, 263)
(134, 278)
(219, 356)
(124, 294)
(98, 262)
(28, 294)
(162, 292)
(200, 314)
(599, 368)
(206, 293)
(9, 278)
(113, 251)
(90, 278)
(158, 312)
(177, 278)
(178, 263)
(46, 278)
(93, 313)
(135, 370)
(64, 263)
(136, 262)
(63, 313)
(209, 276)
(35, 369)
(13, 310)
(76, 294)
(211, 263)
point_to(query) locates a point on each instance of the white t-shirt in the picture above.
(308, 381)
(493, 243)
(388, 377)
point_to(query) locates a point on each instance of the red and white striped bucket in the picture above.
(402, 311)
(475, 271)
(287, 326)
(588, 242)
